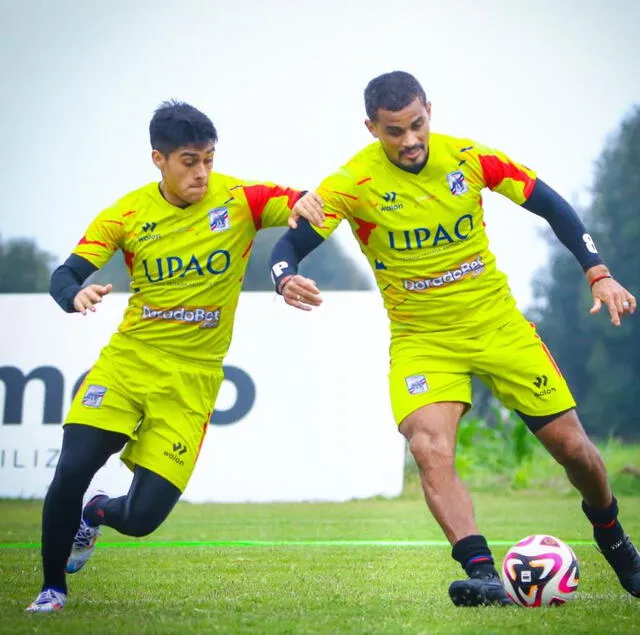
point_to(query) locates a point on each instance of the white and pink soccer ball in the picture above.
(540, 570)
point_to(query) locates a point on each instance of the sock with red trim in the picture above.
(93, 512)
(607, 529)
(474, 556)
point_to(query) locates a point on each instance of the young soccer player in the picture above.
(186, 242)
(413, 202)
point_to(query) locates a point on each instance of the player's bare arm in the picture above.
(567, 226)
(308, 206)
(297, 291)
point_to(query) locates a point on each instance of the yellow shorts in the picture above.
(512, 360)
(161, 402)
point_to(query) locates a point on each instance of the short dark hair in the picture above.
(392, 91)
(175, 124)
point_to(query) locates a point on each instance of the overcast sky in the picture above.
(545, 81)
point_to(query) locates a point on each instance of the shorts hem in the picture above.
(467, 407)
(557, 410)
(99, 425)
(155, 468)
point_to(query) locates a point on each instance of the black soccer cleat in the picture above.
(484, 590)
(625, 561)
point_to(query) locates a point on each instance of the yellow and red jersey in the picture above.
(424, 235)
(186, 265)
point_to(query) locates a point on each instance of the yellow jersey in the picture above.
(186, 265)
(424, 234)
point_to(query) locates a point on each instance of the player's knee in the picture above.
(430, 449)
(573, 450)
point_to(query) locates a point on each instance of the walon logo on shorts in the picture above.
(204, 317)
(178, 449)
(93, 396)
(416, 384)
(472, 268)
(540, 383)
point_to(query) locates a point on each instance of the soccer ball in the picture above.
(540, 570)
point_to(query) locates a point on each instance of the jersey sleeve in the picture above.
(338, 195)
(502, 175)
(104, 236)
(270, 204)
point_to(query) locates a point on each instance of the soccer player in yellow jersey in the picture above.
(186, 242)
(413, 202)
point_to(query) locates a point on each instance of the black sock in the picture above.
(93, 513)
(84, 451)
(474, 556)
(60, 520)
(607, 529)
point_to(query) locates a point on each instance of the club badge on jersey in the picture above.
(457, 183)
(219, 219)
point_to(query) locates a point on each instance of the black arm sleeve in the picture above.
(566, 224)
(67, 280)
(291, 248)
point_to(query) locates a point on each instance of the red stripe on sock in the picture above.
(607, 526)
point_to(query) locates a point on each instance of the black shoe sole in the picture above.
(469, 596)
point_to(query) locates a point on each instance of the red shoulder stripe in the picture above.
(495, 171)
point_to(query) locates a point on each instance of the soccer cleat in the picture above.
(48, 601)
(84, 542)
(625, 561)
(479, 590)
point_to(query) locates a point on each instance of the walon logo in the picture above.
(541, 381)
(390, 197)
(15, 383)
(148, 227)
(178, 449)
(541, 384)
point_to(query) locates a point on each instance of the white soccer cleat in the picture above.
(48, 601)
(85, 541)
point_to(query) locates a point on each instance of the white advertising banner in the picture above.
(303, 413)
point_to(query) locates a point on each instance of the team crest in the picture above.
(416, 384)
(457, 183)
(93, 396)
(219, 219)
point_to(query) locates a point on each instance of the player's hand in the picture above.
(300, 292)
(87, 298)
(614, 296)
(309, 207)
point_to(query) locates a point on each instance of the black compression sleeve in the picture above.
(566, 224)
(67, 280)
(291, 248)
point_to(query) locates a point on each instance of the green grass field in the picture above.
(308, 568)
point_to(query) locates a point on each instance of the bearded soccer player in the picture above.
(413, 202)
(186, 242)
